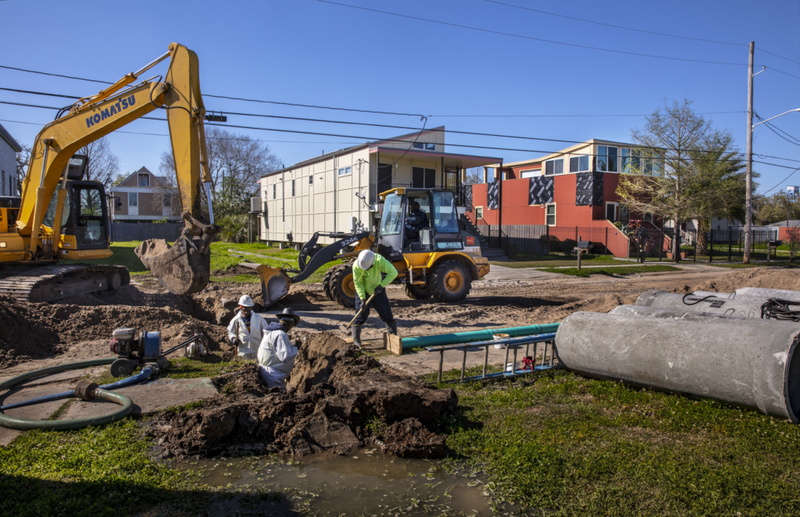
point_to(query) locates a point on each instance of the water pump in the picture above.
(136, 349)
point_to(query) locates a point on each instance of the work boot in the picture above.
(391, 327)
(356, 335)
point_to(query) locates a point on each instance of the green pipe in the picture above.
(477, 335)
(21, 424)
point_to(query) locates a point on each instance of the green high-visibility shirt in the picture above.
(367, 281)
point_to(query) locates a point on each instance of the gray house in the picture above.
(8, 164)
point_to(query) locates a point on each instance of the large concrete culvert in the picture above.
(743, 362)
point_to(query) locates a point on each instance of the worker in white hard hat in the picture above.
(371, 274)
(276, 354)
(246, 329)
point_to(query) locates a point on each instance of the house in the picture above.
(8, 164)
(144, 197)
(569, 194)
(332, 192)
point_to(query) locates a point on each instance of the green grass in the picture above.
(565, 445)
(123, 255)
(615, 270)
(530, 260)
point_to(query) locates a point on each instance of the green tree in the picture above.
(718, 187)
(664, 174)
(775, 208)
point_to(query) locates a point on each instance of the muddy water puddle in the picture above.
(366, 483)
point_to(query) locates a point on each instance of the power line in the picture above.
(530, 38)
(614, 26)
(782, 181)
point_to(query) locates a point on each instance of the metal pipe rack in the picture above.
(548, 361)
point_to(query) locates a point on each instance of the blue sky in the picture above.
(470, 65)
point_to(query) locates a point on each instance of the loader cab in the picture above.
(84, 221)
(400, 232)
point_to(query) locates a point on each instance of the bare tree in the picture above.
(23, 159)
(236, 163)
(103, 164)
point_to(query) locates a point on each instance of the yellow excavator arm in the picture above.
(93, 117)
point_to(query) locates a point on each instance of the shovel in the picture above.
(360, 311)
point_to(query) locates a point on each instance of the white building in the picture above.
(8, 163)
(325, 193)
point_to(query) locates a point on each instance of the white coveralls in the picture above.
(276, 357)
(249, 339)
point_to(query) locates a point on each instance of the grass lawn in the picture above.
(561, 444)
(611, 270)
(530, 260)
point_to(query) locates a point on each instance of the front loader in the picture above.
(431, 262)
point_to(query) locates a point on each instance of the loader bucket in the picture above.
(183, 268)
(274, 284)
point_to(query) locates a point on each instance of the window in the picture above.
(478, 213)
(553, 167)
(611, 212)
(167, 201)
(424, 145)
(311, 180)
(529, 173)
(133, 199)
(430, 147)
(550, 214)
(274, 191)
(423, 178)
(344, 171)
(144, 180)
(419, 145)
(579, 163)
(606, 158)
(292, 188)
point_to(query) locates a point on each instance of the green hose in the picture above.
(21, 424)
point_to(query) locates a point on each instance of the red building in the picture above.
(570, 194)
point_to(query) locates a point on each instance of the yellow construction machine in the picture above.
(59, 216)
(436, 261)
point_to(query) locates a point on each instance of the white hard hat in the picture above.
(365, 259)
(246, 301)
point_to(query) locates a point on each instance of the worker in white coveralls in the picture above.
(276, 354)
(371, 274)
(246, 329)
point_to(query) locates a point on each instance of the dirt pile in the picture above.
(41, 330)
(756, 277)
(337, 401)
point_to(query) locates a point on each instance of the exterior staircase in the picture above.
(493, 254)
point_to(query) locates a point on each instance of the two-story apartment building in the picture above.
(572, 191)
(144, 197)
(329, 192)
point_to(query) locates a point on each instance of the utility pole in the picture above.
(749, 171)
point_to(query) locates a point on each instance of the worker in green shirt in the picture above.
(368, 276)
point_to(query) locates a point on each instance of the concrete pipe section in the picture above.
(745, 307)
(747, 363)
(642, 311)
(758, 292)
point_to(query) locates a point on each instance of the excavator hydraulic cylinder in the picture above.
(744, 362)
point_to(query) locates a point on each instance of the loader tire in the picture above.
(418, 292)
(326, 283)
(343, 287)
(450, 281)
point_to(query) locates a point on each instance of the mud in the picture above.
(338, 400)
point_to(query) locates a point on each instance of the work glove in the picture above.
(378, 290)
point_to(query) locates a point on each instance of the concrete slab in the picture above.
(148, 397)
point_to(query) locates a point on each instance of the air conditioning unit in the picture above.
(255, 204)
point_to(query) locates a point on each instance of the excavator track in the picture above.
(59, 282)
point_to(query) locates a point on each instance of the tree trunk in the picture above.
(702, 235)
(676, 241)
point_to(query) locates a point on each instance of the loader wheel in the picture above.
(326, 283)
(343, 287)
(450, 281)
(418, 292)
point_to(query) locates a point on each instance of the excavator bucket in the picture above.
(183, 268)
(274, 284)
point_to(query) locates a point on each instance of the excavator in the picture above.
(438, 261)
(61, 217)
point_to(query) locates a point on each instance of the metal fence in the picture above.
(141, 231)
(543, 239)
